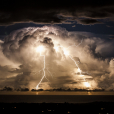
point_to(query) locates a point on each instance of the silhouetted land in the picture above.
(60, 89)
(58, 108)
(7, 89)
(11, 89)
(57, 89)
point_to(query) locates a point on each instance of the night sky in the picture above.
(87, 27)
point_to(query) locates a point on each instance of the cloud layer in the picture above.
(51, 12)
(24, 62)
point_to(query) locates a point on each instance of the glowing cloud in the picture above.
(40, 49)
(66, 52)
(87, 84)
(40, 52)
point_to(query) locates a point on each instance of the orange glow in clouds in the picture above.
(86, 84)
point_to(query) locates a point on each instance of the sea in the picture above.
(55, 97)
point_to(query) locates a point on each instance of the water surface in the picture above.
(54, 93)
(55, 97)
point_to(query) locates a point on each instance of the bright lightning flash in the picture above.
(41, 49)
(56, 49)
(86, 84)
(66, 53)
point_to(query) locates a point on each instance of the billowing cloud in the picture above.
(88, 21)
(26, 61)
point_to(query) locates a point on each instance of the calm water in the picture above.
(53, 93)
(56, 97)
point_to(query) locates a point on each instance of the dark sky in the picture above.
(66, 23)
(91, 16)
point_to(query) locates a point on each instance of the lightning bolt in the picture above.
(44, 74)
(75, 44)
(66, 53)
(44, 71)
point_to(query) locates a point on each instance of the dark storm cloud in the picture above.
(51, 12)
(74, 26)
(108, 26)
(112, 38)
(48, 42)
(2, 37)
(88, 21)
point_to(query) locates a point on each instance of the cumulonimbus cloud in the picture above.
(20, 48)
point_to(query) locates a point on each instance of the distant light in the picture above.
(101, 108)
(42, 111)
(49, 110)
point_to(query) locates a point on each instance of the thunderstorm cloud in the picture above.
(21, 62)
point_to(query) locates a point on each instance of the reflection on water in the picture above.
(36, 93)
(89, 93)
(54, 93)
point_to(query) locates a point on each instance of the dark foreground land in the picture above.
(58, 108)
